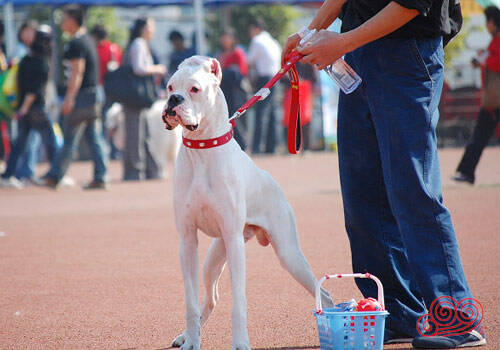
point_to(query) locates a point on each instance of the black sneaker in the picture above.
(461, 177)
(475, 337)
(47, 182)
(393, 337)
(95, 185)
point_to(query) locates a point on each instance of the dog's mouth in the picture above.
(169, 112)
(191, 127)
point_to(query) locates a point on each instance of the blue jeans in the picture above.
(24, 127)
(398, 226)
(264, 113)
(72, 135)
(29, 159)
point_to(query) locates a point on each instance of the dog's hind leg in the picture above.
(285, 242)
(212, 269)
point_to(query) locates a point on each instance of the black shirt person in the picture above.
(32, 80)
(398, 227)
(80, 109)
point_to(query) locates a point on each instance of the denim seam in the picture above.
(420, 60)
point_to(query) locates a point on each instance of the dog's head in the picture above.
(192, 91)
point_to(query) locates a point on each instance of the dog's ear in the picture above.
(215, 69)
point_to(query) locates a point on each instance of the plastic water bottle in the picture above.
(340, 72)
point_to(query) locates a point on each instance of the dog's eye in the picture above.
(194, 89)
(170, 88)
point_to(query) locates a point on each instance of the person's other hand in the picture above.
(291, 43)
(22, 112)
(161, 69)
(67, 106)
(325, 48)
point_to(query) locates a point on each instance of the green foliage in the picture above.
(277, 18)
(40, 13)
(456, 45)
(107, 17)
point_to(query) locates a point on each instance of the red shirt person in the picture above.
(232, 55)
(107, 51)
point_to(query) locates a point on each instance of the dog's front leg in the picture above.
(235, 251)
(188, 253)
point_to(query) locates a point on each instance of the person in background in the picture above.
(4, 134)
(32, 79)
(234, 68)
(180, 52)
(26, 165)
(264, 58)
(489, 113)
(81, 107)
(139, 160)
(25, 37)
(110, 58)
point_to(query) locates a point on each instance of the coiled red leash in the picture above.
(294, 127)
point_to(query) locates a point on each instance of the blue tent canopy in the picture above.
(8, 6)
(152, 2)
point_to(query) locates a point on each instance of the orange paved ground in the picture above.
(99, 270)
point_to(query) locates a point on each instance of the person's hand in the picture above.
(475, 63)
(18, 115)
(325, 48)
(21, 112)
(68, 105)
(291, 43)
(160, 69)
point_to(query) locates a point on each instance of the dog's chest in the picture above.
(205, 205)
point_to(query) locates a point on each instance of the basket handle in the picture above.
(319, 308)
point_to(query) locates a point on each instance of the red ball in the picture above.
(368, 304)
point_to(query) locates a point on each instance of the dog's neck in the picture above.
(215, 122)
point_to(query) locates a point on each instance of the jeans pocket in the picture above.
(419, 59)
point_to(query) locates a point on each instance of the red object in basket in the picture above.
(369, 304)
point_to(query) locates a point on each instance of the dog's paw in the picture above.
(188, 344)
(243, 346)
(179, 341)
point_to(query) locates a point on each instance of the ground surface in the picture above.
(99, 270)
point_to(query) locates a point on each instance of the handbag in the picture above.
(491, 93)
(86, 107)
(124, 86)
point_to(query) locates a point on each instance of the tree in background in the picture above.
(278, 19)
(107, 17)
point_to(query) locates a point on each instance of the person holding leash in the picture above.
(398, 226)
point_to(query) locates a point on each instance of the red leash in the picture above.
(294, 127)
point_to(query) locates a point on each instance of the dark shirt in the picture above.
(84, 47)
(32, 78)
(436, 17)
(176, 58)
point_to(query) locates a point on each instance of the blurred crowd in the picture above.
(40, 120)
(47, 123)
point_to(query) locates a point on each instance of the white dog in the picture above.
(220, 191)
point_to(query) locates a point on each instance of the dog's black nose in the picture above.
(175, 100)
